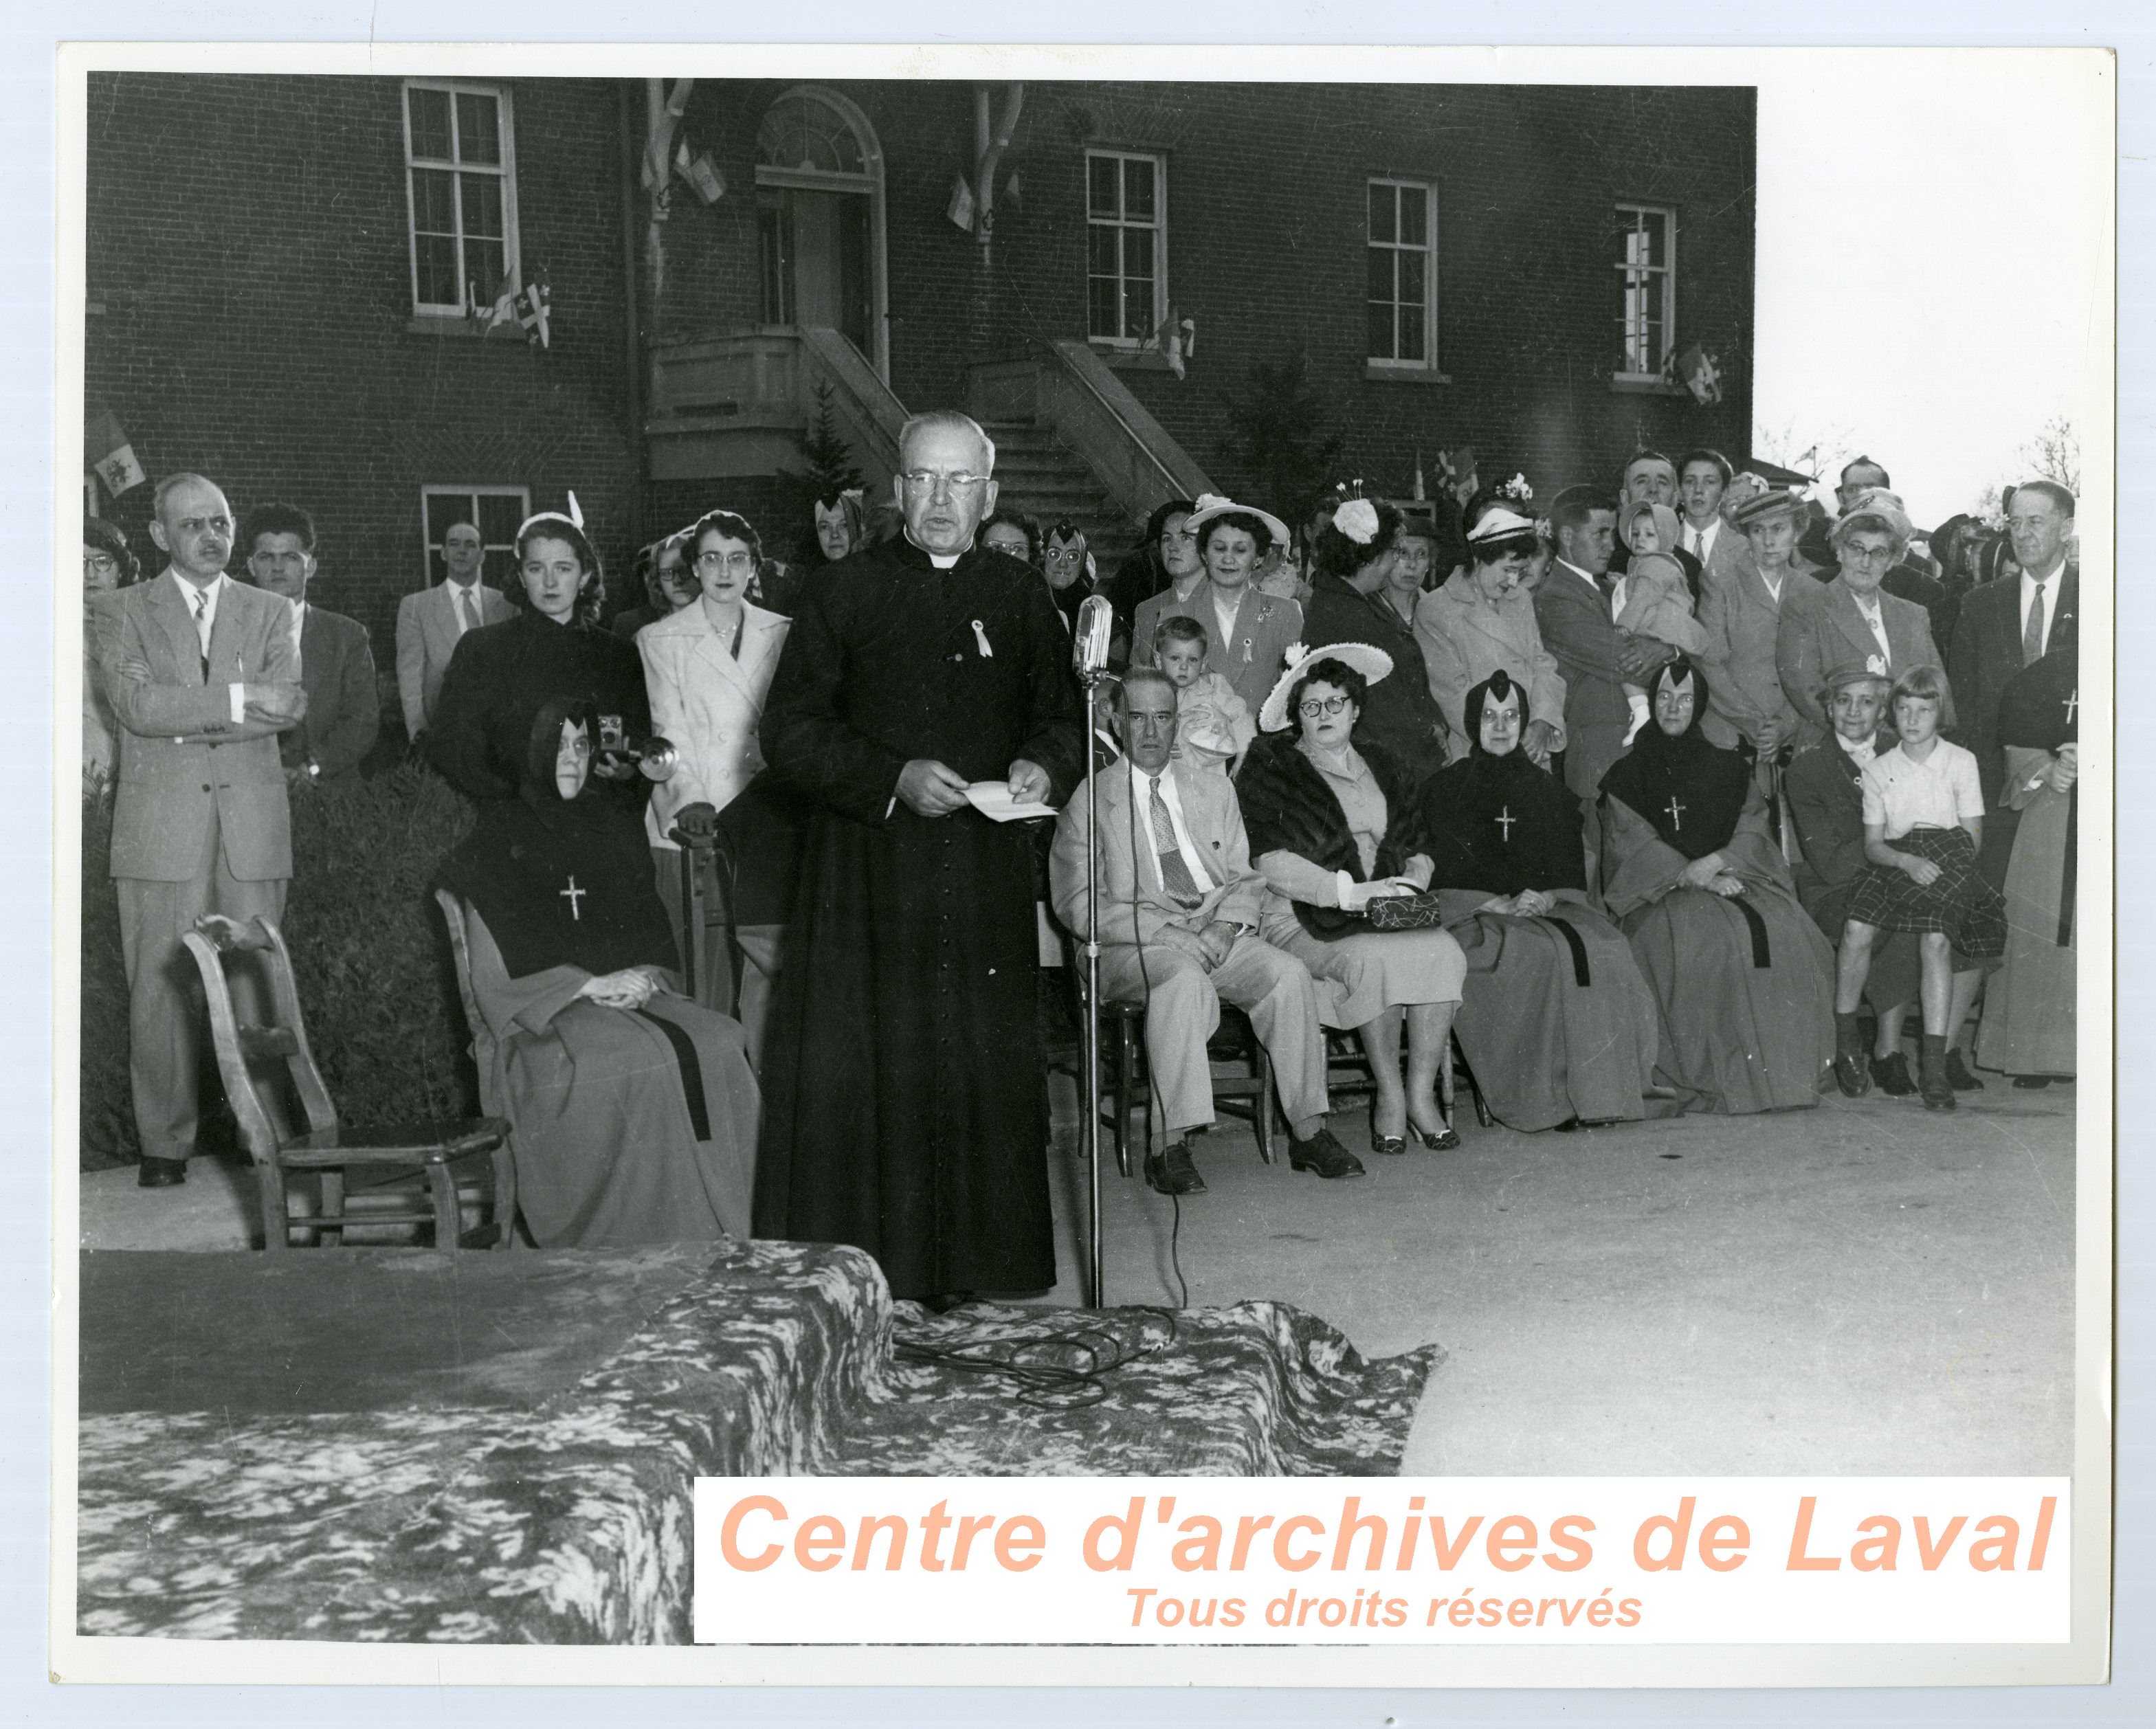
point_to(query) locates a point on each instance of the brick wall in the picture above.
(1266, 251)
(247, 240)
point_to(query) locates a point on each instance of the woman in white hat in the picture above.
(1326, 812)
(1250, 631)
(1481, 621)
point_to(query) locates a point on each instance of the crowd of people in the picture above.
(1680, 793)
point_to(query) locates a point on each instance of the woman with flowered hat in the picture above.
(1481, 621)
(1329, 815)
(1358, 555)
(1249, 631)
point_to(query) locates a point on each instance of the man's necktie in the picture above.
(1174, 874)
(1692, 540)
(2032, 637)
(202, 630)
(467, 613)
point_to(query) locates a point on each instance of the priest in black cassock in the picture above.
(905, 1109)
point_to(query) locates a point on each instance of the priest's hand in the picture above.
(2066, 769)
(1530, 904)
(1539, 740)
(1028, 782)
(929, 789)
(698, 822)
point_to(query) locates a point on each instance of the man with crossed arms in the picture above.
(1181, 931)
(203, 674)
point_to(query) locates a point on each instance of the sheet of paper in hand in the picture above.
(993, 800)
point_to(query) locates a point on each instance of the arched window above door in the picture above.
(820, 218)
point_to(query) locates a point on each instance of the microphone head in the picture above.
(1089, 638)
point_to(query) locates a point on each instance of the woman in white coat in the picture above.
(708, 669)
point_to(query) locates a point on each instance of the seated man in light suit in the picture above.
(429, 623)
(1182, 925)
(203, 674)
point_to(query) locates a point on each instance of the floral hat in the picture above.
(1374, 664)
(1210, 504)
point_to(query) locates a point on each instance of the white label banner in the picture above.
(1382, 1561)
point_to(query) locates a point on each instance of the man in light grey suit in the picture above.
(203, 674)
(1183, 921)
(429, 623)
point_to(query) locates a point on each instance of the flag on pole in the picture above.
(109, 455)
(498, 314)
(533, 306)
(700, 171)
(1167, 342)
(1696, 368)
(1419, 495)
(961, 208)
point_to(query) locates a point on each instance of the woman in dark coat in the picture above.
(1356, 597)
(1329, 815)
(501, 676)
(1558, 1024)
(1744, 977)
(635, 1110)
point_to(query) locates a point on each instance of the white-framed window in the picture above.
(496, 510)
(1646, 265)
(1126, 246)
(460, 189)
(1402, 269)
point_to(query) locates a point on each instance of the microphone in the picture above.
(1089, 638)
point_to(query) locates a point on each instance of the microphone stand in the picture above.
(1090, 678)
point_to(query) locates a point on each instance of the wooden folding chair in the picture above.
(252, 1059)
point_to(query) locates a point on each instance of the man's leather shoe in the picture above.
(161, 1173)
(1324, 1155)
(2032, 1083)
(1170, 1171)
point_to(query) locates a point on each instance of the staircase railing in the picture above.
(1069, 389)
(736, 403)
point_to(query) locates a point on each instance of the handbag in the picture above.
(1405, 912)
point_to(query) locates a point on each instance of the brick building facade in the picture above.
(1510, 268)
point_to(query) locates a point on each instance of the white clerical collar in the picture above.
(941, 561)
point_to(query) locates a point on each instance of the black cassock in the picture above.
(904, 1110)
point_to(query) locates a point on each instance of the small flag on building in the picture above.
(700, 171)
(1167, 342)
(499, 314)
(960, 209)
(1696, 368)
(532, 308)
(110, 455)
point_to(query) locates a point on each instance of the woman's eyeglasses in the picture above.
(726, 561)
(1318, 705)
(102, 564)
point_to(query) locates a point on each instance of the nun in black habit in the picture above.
(634, 1108)
(905, 1108)
(1555, 1019)
(1744, 977)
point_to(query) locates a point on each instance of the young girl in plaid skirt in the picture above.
(1923, 816)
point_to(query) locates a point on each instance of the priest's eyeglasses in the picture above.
(1318, 705)
(924, 480)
